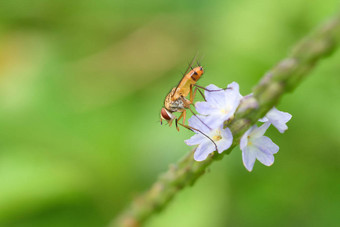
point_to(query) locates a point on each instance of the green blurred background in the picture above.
(81, 87)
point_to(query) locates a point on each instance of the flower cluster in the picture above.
(220, 107)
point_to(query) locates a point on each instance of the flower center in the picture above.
(225, 110)
(217, 137)
(249, 142)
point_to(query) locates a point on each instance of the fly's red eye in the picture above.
(165, 115)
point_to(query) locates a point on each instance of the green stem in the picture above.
(282, 78)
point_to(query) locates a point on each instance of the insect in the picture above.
(176, 100)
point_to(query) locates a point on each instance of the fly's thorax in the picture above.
(174, 104)
(179, 105)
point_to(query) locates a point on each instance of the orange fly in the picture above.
(176, 100)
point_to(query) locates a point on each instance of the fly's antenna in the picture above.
(191, 64)
(186, 71)
(199, 60)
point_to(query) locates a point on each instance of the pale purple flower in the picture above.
(255, 145)
(220, 104)
(277, 118)
(222, 138)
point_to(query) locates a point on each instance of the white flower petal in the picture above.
(205, 108)
(248, 96)
(259, 131)
(264, 119)
(235, 88)
(214, 121)
(244, 139)
(265, 158)
(254, 144)
(216, 97)
(248, 157)
(226, 141)
(279, 119)
(266, 145)
(232, 100)
(195, 139)
(203, 150)
(221, 104)
(196, 122)
(234, 85)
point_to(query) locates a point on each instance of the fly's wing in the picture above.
(189, 67)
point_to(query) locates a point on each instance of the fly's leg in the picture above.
(222, 89)
(179, 118)
(184, 116)
(194, 129)
(193, 113)
(193, 94)
(197, 89)
(188, 107)
(170, 123)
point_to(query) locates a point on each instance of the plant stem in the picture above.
(282, 78)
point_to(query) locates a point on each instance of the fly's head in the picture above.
(167, 116)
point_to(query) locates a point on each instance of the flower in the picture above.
(277, 118)
(256, 146)
(221, 137)
(220, 104)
